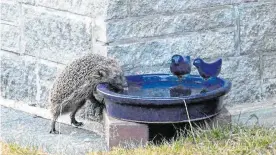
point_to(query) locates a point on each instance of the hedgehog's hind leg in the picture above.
(53, 124)
(73, 114)
(56, 111)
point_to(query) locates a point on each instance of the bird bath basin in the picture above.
(159, 98)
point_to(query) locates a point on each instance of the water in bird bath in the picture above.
(165, 89)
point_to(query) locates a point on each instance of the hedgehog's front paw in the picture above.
(75, 123)
(53, 131)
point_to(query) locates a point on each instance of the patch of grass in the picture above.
(230, 140)
(14, 149)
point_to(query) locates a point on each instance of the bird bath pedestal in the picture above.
(155, 101)
(130, 134)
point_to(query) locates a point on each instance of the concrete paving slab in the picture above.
(29, 130)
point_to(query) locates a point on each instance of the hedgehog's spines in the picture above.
(78, 80)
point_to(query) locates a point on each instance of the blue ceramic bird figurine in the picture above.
(180, 65)
(207, 70)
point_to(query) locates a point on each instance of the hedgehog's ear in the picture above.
(102, 73)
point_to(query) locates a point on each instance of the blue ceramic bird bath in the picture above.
(159, 98)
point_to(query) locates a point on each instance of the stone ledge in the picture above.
(45, 113)
(259, 113)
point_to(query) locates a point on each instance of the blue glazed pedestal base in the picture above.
(164, 114)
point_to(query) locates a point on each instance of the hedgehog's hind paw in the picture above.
(75, 123)
(53, 131)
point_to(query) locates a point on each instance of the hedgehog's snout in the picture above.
(116, 88)
(119, 84)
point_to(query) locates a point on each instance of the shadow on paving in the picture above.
(26, 130)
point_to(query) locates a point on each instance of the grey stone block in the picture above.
(91, 8)
(258, 44)
(246, 66)
(163, 69)
(176, 24)
(10, 11)
(25, 79)
(268, 1)
(244, 1)
(54, 36)
(156, 54)
(46, 75)
(10, 38)
(212, 44)
(100, 9)
(18, 79)
(85, 7)
(269, 63)
(268, 42)
(117, 9)
(269, 88)
(244, 92)
(257, 25)
(145, 7)
(30, 2)
(245, 75)
(141, 54)
(269, 75)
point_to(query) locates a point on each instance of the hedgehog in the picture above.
(77, 83)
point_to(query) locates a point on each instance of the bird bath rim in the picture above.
(139, 100)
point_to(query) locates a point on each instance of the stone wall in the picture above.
(38, 37)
